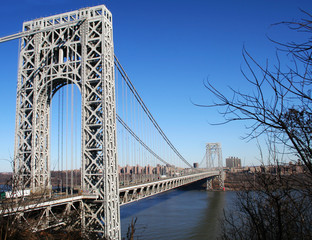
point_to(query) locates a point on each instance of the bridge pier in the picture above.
(219, 178)
(209, 184)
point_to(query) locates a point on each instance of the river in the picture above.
(178, 214)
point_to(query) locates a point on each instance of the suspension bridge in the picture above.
(76, 112)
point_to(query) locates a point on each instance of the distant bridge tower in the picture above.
(214, 160)
(214, 156)
(70, 48)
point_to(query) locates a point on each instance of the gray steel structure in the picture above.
(70, 48)
(213, 153)
(51, 212)
(77, 48)
(138, 192)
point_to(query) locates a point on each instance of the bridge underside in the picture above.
(67, 212)
(138, 192)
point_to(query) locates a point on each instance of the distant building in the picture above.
(195, 165)
(233, 162)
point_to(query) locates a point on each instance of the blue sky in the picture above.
(168, 47)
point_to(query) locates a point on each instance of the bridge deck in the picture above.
(126, 194)
(53, 210)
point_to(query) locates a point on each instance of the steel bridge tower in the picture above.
(214, 160)
(70, 48)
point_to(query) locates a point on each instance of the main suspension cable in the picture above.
(139, 140)
(140, 101)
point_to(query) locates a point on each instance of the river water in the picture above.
(178, 214)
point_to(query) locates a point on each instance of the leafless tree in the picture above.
(270, 204)
(280, 100)
(16, 223)
(274, 206)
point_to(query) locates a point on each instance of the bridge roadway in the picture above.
(54, 208)
(137, 192)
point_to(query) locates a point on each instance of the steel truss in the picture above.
(66, 212)
(214, 161)
(135, 193)
(71, 48)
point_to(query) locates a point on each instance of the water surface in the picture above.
(177, 215)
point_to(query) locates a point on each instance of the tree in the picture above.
(270, 205)
(274, 206)
(280, 102)
(18, 223)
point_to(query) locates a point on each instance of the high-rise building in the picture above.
(233, 162)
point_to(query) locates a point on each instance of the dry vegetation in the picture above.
(275, 206)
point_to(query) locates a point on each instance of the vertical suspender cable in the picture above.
(137, 96)
(50, 123)
(62, 137)
(127, 142)
(118, 129)
(59, 138)
(76, 144)
(66, 141)
(72, 140)
(49, 119)
(133, 126)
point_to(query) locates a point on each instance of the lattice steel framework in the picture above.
(214, 156)
(214, 160)
(71, 48)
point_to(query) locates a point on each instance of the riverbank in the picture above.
(235, 181)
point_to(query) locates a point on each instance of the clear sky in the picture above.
(168, 47)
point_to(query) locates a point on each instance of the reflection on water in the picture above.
(177, 214)
(208, 224)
